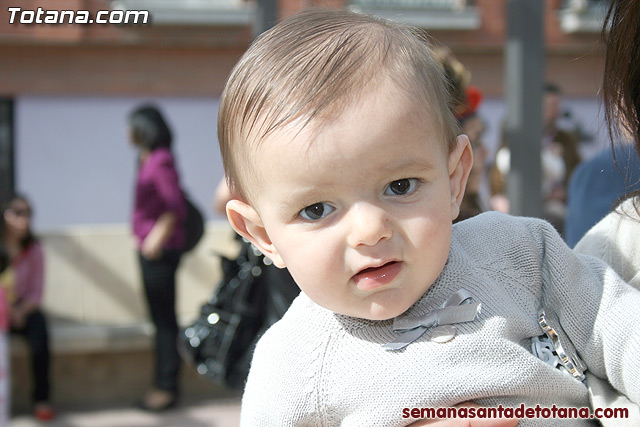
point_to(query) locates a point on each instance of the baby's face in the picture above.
(360, 209)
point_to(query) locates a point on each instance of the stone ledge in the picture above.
(68, 337)
(93, 364)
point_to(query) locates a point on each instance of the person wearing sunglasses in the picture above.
(25, 312)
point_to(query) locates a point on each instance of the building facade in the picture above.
(65, 89)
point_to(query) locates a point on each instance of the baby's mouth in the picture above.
(373, 269)
(373, 277)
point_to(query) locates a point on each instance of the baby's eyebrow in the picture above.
(299, 198)
(412, 164)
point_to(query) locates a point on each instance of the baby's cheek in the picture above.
(317, 263)
(315, 278)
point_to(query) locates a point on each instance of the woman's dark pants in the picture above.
(159, 277)
(35, 331)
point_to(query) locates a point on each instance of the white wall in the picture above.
(74, 161)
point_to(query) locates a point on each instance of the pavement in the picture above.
(201, 413)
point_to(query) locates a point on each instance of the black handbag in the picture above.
(220, 342)
(193, 225)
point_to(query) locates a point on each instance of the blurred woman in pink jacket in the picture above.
(158, 218)
(25, 298)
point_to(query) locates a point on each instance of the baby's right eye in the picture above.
(316, 211)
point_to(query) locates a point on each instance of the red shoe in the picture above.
(157, 400)
(44, 412)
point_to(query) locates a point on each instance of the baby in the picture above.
(337, 136)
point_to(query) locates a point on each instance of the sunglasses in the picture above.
(25, 213)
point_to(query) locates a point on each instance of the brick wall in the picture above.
(192, 61)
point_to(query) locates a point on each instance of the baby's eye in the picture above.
(316, 211)
(401, 187)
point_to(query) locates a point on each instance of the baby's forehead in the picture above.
(314, 145)
(339, 125)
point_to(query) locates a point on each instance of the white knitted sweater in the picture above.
(318, 368)
(615, 240)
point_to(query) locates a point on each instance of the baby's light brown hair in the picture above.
(313, 64)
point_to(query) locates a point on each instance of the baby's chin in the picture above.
(377, 312)
(385, 314)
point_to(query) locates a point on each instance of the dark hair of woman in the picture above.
(621, 87)
(4, 258)
(6, 205)
(621, 83)
(149, 128)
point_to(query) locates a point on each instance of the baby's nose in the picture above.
(369, 224)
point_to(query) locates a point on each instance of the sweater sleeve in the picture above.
(599, 312)
(613, 241)
(283, 384)
(30, 275)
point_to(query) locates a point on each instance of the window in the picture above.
(583, 16)
(193, 12)
(428, 14)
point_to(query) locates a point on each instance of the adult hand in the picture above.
(18, 317)
(160, 232)
(151, 247)
(467, 422)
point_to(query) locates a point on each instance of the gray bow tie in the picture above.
(457, 309)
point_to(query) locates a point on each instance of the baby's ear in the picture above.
(246, 221)
(460, 163)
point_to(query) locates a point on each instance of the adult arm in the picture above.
(613, 240)
(31, 286)
(166, 182)
(161, 232)
(598, 311)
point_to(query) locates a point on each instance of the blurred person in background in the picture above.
(7, 279)
(158, 216)
(565, 143)
(25, 297)
(559, 157)
(597, 186)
